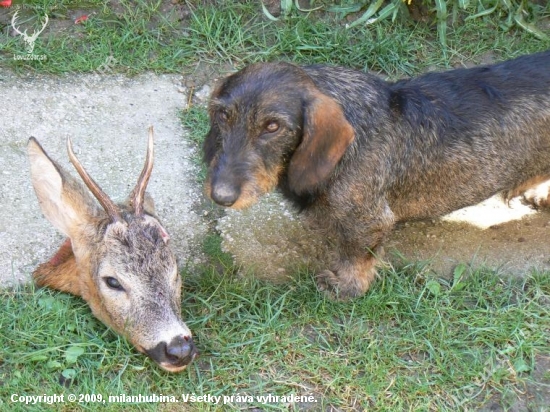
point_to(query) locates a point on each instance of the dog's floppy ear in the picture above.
(326, 136)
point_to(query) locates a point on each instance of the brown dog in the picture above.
(358, 154)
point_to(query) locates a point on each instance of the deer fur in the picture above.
(116, 257)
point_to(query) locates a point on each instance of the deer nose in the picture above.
(181, 350)
(224, 193)
(174, 355)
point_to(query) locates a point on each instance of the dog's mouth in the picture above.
(242, 194)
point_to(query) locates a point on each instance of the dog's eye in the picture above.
(113, 283)
(272, 127)
(223, 116)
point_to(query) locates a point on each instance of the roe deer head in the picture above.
(116, 257)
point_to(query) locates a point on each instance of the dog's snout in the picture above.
(224, 194)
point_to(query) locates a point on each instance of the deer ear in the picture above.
(63, 200)
(326, 137)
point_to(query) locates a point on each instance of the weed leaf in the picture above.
(73, 352)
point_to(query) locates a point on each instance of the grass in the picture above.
(195, 121)
(413, 343)
(141, 37)
(401, 347)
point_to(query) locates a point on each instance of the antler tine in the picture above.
(100, 195)
(14, 17)
(43, 27)
(138, 194)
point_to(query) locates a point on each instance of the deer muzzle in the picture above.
(174, 356)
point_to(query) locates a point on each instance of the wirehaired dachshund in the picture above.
(358, 154)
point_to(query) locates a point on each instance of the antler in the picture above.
(13, 24)
(100, 195)
(24, 34)
(138, 194)
(35, 35)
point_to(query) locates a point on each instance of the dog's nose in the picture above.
(224, 194)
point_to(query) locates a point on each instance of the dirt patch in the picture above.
(512, 239)
(271, 241)
(535, 395)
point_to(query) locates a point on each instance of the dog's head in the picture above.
(268, 123)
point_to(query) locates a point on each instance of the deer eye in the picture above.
(113, 283)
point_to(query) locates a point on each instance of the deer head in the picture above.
(29, 40)
(116, 257)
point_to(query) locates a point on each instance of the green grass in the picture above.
(412, 343)
(140, 37)
(401, 347)
(195, 121)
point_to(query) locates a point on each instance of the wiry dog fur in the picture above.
(358, 154)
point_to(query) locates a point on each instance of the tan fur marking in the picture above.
(525, 186)
(60, 272)
(349, 279)
(264, 182)
(327, 136)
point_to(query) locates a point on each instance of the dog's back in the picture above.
(463, 100)
(446, 140)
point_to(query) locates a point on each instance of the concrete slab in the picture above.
(107, 118)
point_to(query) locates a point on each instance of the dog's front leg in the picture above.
(358, 248)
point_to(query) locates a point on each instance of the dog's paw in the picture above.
(342, 286)
(327, 282)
